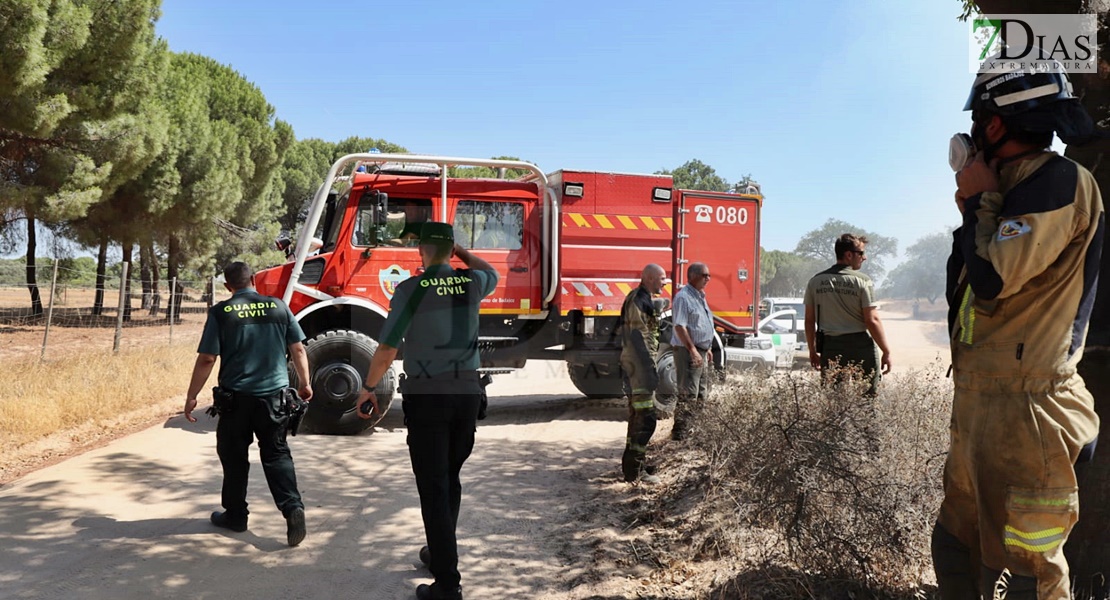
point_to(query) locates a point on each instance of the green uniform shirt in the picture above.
(250, 333)
(436, 313)
(839, 294)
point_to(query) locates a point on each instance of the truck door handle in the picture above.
(519, 269)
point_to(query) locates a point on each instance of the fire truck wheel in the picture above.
(588, 381)
(667, 393)
(339, 360)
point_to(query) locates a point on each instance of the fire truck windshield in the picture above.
(402, 222)
(489, 225)
(333, 217)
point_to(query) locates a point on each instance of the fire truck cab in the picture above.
(569, 246)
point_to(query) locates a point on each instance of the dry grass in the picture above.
(788, 489)
(42, 398)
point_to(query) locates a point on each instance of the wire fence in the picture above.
(73, 314)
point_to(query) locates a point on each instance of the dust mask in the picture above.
(961, 151)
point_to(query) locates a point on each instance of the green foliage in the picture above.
(969, 9)
(696, 175)
(360, 145)
(488, 172)
(819, 245)
(923, 272)
(73, 76)
(786, 273)
(302, 173)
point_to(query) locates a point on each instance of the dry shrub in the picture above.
(846, 487)
(43, 398)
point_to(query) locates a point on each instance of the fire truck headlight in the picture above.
(574, 190)
(660, 194)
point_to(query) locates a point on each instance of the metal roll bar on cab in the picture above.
(551, 222)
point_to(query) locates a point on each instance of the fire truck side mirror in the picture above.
(285, 246)
(381, 206)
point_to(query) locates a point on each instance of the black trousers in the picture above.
(440, 438)
(249, 417)
(852, 350)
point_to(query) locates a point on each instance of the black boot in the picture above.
(221, 520)
(435, 592)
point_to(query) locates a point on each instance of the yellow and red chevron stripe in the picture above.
(631, 222)
(614, 289)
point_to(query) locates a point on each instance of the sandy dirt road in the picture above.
(130, 519)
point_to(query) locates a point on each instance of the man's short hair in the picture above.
(696, 268)
(238, 275)
(847, 242)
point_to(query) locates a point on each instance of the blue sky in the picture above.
(839, 109)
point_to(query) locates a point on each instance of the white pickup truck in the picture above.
(794, 324)
(774, 346)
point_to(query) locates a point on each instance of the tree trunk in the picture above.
(32, 275)
(156, 297)
(173, 310)
(128, 247)
(145, 252)
(101, 267)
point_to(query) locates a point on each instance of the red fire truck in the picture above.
(569, 246)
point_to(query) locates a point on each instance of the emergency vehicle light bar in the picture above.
(551, 222)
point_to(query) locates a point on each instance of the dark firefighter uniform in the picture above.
(250, 333)
(1022, 281)
(437, 315)
(640, 344)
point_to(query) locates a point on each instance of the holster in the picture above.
(819, 341)
(293, 408)
(484, 403)
(223, 402)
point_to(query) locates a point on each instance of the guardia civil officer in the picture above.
(436, 314)
(251, 334)
(639, 347)
(692, 340)
(1021, 284)
(842, 317)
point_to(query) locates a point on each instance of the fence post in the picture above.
(173, 286)
(122, 294)
(49, 311)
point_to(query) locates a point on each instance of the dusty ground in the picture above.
(541, 513)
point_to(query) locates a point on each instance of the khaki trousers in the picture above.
(1010, 492)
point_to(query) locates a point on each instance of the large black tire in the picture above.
(597, 380)
(667, 393)
(339, 360)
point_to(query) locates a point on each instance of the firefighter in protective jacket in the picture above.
(640, 344)
(1021, 283)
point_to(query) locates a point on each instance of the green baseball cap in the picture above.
(433, 232)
